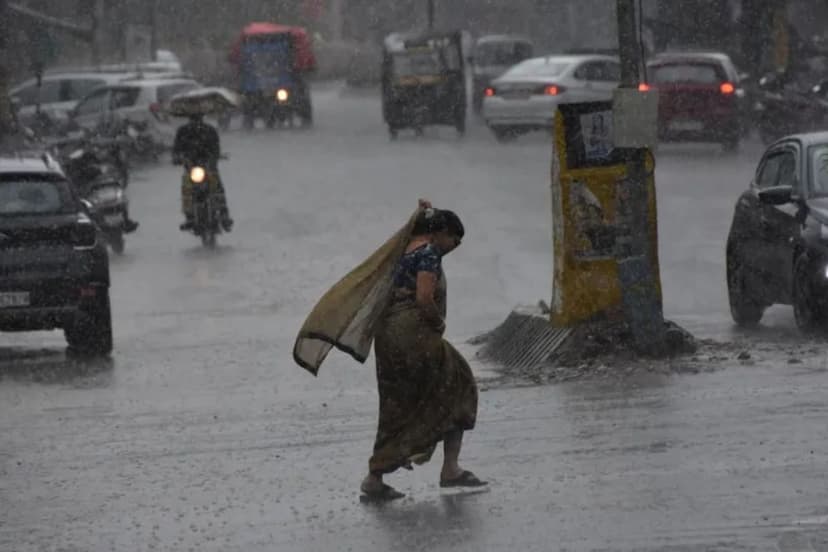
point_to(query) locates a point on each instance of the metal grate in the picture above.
(524, 339)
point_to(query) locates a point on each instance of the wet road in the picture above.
(201, 433)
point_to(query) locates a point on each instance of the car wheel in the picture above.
(503, 134)
(91, 331)
(746, 310)
(766, 134)
(731, 145)
(810, 317)
(224, 120)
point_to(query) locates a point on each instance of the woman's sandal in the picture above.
(465, 479)
(383, 493)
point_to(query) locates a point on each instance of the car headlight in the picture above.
(282, 95)
(197, 175)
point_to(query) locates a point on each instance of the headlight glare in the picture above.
(197, 175)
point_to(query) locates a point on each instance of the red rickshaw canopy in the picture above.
(305, 59)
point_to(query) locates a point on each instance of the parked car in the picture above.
(54, 266)
(59, 92)
(777, 249)
(140, 100)
(701, 98)
(526, 96)
(493, 56)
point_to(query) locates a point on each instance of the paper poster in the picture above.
(596, 129)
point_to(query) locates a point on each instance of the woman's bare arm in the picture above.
(426, 288)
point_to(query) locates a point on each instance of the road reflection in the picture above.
(57, 366)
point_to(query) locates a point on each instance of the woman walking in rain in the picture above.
(427, 392)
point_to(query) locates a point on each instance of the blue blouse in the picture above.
(423, 259)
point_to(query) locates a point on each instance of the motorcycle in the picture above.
(779, 111)
(99, 184)
(202, 184)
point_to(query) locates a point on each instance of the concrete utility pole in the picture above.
(6, 119)
(430, 14)
(642, 304)
(152, 6)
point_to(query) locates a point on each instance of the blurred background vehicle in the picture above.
(493, 55)
(525, 97)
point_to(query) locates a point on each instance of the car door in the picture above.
(607, 75)
(746, 230)
(582, 87)
(594, 81)
(92, 110)
(779, 225)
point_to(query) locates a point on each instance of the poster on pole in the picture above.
(588, 194)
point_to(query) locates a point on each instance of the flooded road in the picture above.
(201, 433)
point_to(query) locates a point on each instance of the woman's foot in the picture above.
(464, 478)
(379, 492)
(374, 489)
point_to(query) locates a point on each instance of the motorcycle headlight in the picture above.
(282, 95)
(197, 175)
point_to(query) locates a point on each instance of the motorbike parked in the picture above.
(99, 184)
(781, 109)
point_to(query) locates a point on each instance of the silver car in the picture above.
(526, 96)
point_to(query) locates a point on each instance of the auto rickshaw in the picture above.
(424, 82)
(272, 63)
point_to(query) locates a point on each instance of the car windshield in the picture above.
(499, 53)
(417, 63)
(540, 67)
(690, 73)
(819, 170)
(24, 195)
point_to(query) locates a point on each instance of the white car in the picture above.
(138, 100)
(59, 92)
(526, 96)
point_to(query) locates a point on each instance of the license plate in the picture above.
(114, 220)
(686, 125)
(516, 95)
(14, 299)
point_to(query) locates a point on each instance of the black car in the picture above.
(777, 250)
(54, 266)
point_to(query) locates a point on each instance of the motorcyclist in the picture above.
(198, 143)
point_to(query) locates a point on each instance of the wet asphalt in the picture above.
(200, 433)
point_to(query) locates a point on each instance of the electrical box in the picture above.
(634, 118)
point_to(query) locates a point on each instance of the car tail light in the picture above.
(552, 90)
(727, 88)
(87, 292)
(84, 235)
(489, 92)
(644, 87)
